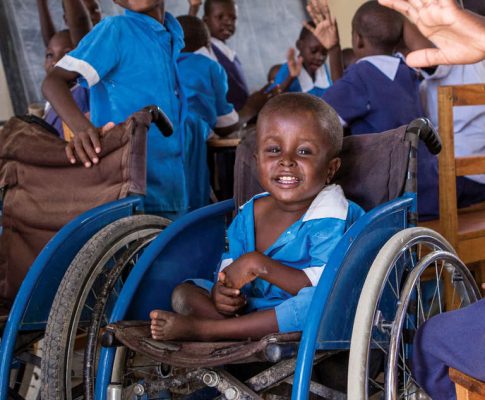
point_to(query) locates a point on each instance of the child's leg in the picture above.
(189, 299)
(171, 326)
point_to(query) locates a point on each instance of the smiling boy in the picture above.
(280, 241)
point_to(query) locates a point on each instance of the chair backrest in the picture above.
(451, 167)
(43, 191)
(373, 171)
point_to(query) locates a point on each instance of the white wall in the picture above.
(6, 110)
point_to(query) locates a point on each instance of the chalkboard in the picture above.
(266, 28)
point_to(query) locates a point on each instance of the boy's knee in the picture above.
(180, 299)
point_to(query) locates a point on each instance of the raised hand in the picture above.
(457, 34)
(295, 64)
(326, 29)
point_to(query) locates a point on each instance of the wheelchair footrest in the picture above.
(136, 336)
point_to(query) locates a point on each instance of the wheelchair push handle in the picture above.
(160, 119)
(423, 128)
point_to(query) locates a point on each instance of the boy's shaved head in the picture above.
(196, 33)
(304, 33)
(209, 3)
(380, 25)
(295, 103)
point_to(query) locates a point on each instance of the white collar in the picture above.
(388, 65)
(329, 203)
(322, 79)
(205, 51)
(224, 48)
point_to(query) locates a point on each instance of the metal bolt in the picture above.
(210, 379)
(138, 390)
(231, 393)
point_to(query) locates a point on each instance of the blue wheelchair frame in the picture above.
(33, 302)
(177, 253)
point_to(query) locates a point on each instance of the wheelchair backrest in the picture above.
(43, 191)
(373, 171)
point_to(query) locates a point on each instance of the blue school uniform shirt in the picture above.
(376, 94)
(129, 62)
(306, 245)
(205, 85)
(304, 83)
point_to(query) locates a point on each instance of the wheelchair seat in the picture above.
(136, 335)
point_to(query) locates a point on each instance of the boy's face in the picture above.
(221, 20)
(312, 52)
(59, 45)
(294, 157)
(94, 10)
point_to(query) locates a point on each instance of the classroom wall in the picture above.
(6, 110)
(344, 11)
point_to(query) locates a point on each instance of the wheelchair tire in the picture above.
(108, 255)
(393, 305)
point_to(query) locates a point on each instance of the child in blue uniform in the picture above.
(128, 62)
(308, 73)
(220, 17)
(378, 92)
(280, 241)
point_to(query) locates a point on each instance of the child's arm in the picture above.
(295, 65)
(77, 19)
(257, 265)
(86, 142)
(326, 31)
(47, 27)
(194, 6)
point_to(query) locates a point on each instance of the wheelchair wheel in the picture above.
(413, 278)
(85, 299)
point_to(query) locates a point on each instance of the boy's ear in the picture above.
(333, 167)
(298, 45)
(360, 41)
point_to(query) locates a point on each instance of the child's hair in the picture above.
(208, 4)
(304, 33)
(380, 25)
(196, 33)
(292, 103)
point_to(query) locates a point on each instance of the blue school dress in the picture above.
(306, 245)
(454, 339)
(304, 83)
(238, 88)
(129, 62)
(376, 94)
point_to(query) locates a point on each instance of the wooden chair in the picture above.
(467, 388)
(463, 228)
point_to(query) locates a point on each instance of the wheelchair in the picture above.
(385, 278)
(101, 236)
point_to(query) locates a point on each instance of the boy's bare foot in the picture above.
(170, 326)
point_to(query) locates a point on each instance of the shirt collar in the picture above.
(205, 51)
(329, 203)
(224, 48)
(322, 80)
(388, 65)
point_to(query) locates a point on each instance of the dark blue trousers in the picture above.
(455, 339)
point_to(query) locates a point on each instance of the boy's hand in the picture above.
(326, 30)
(242, 271)
(195, 3)
(227, 301)
(86, 145)
(295, 64)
